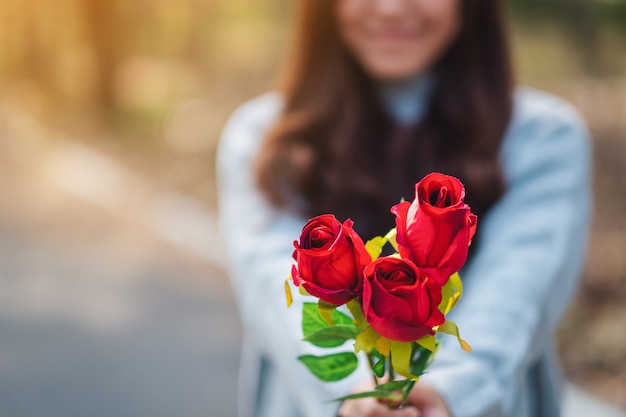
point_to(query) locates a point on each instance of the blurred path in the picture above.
(104, 311)
(112, 301)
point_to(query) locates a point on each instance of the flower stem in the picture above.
(394, 402)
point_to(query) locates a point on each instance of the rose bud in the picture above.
(399, 300)
(330, 259)
(435, 230)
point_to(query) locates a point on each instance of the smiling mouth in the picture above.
(395, 36)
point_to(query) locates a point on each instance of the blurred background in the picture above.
(113, 299)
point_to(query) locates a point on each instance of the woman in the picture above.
(378, 94)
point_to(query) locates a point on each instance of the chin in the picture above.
(390, 69)
(395, 74)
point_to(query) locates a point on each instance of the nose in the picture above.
(389, 7)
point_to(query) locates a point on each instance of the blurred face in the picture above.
(397, 39)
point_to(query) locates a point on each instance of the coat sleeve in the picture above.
(526, 268)
(258, 239)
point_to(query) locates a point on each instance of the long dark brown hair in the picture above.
(335, 149)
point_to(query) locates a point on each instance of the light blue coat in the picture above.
(517, 285)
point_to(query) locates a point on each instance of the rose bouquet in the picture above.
(396, 303)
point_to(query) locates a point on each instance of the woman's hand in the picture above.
(371, 407)
(428, 401)
(424, 401)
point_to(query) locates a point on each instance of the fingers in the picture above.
(404, 412)
(428, 400)
(369, 407)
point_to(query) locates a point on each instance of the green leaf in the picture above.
(312, 321)
(375, 246)
(420, 359)
(406, 390)
(333, 336)
(395, 392)
(367, 394)
(379, 367)
(331, 368)
(393, 385)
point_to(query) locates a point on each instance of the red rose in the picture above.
(330, 257)
(435, 230)
(400, 301)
